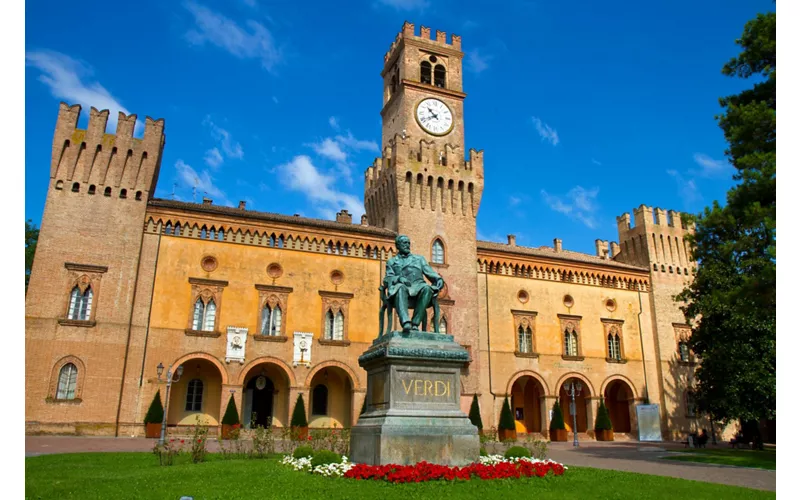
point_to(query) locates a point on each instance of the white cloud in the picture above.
(213, 158)
(331, 150)
(709, 166)
(514, 201)
(546, 132)
(70, 80)
(356, 144)
(578, 203)
(597, 162)
(230, 148)
(301, 175)
(275, 99)
(333, 122)
(202, 182)
(406, 4)
(339, 148)
(251, 42)
(687, 188)
(250, 3)
(478, 62)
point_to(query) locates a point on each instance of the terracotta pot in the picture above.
(152, 430)
(558, 434)
(506, 435)
(226, 431)
(300, 433)
(604, 435)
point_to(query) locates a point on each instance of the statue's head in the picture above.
(403, 244)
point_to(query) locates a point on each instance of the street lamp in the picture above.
(573, 388)
(159, 371)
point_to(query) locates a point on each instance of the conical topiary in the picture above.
(363, 407)
(299, 413)
(155, 414)
(231, 416)
(557, 422)
(603, 421)
(506, 418)
(475, 413)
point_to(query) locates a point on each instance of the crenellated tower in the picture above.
(424, 184)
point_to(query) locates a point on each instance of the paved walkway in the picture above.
(632, 456)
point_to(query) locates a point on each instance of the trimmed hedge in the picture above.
(557, 422)
(303, 451)
(155, 414)
(517, 452)
(299, 413)
(231, 416)
(603, 421)
(325, 457)
(506, 418)
(475, 413)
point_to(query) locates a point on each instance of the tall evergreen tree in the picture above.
(731, 302)
(31, 238)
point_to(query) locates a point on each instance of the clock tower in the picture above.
(425, 184)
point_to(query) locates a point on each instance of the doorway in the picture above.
(259, 394)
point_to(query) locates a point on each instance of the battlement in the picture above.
(407, 32)
(657, 239)
(94, 157)
(644, 216)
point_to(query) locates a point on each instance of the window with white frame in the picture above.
(271, 320)
(194, 395)
(205, 314)
(67, 381)
(683, 350)
(437, 252)
(334, 325)
(80, 304)
(614, 348)
(570, 342)
(524, 339)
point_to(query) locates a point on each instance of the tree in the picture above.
(731, 301)
(231, 416)
(557, 421)
(475, 413)
(155, 414)
(603, 421)
(299, 413)
(31, 238)
(506, 418)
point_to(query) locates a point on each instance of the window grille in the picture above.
(67, 380)
(194, 395)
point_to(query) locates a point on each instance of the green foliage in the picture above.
(603, 421)
(506, 418)
(299, 413)
(517, 452)
(325, 457)
(734, 288)
(231, 416)
(155, 414)
(557, 422)
(363, 407)
(475, 413)
(483, 452)
(303, 451)
(31, 238)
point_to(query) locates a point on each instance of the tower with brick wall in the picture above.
(91, 237)
(657, 240)
(424, 185)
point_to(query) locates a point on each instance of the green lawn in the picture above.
(137, 475)
(742, 458)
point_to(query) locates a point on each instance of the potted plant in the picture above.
(603, 429)
(230, 420)
(558, 431)
(506, 429)
(299, 424)
(475, 414)
(154, 417)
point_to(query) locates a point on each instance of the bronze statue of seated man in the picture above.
(405, 284)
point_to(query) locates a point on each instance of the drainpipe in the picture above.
(150, 310)
(641, 340)
(489, 346)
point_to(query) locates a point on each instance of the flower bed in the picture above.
(491, 467)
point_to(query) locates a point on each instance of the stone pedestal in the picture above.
(413, 394)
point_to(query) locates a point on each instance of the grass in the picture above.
(740, 458)
(138, 475)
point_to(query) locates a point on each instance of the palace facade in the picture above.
(264, 307)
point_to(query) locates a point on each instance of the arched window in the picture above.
(437, 252)
(334, 325)
(194, 395)
(319, 400)
(439, 76)
(107, 191)
(614, 350)
(271, 320)
(525, 339)
(683, 350)
(177, 229)
(76, 186)
(67, 380)
(570, 342)
(425, 72)
(168, 228)
(123, 193)
(443, 325)
(92, 189)
(138, 196)
(80, 304)
(204, 315)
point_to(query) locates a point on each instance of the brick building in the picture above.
(264, 307)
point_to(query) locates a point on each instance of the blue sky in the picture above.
(584, 109)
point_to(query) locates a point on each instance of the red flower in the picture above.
(199, 440)
(424, 471)
(181, 441)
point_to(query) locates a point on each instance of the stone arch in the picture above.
(526, 373)
(53, 387)
(581, 377)
(208, 357)
(337, 364)
(267, 359)
(622, 378)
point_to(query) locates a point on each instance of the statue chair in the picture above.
(387, 309)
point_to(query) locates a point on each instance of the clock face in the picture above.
(434, 116)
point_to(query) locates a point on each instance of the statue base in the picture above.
(413, 410)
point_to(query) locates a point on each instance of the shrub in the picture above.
(603, 421)
(155, 414)
(483, 452)
(557, 423)
(506, 418)
(517, 452)
(231, 416)
(303, 451)
(299, 413)
(363, 407)
(199, 438)
(475, 413)
(325, 457)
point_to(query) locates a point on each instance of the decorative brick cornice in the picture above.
(85, 268)
(274, 288)
(336, 295)
(520, 312)
(569, 317)
(207, 282)
(612, 321)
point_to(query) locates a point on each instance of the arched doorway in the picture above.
(331, 398)
(259, 394)
(195, 398)
(580, 405)
(526, 394)
(618, 396)
(265, 396)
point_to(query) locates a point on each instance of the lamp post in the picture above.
(573, 388)
(159, 371)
